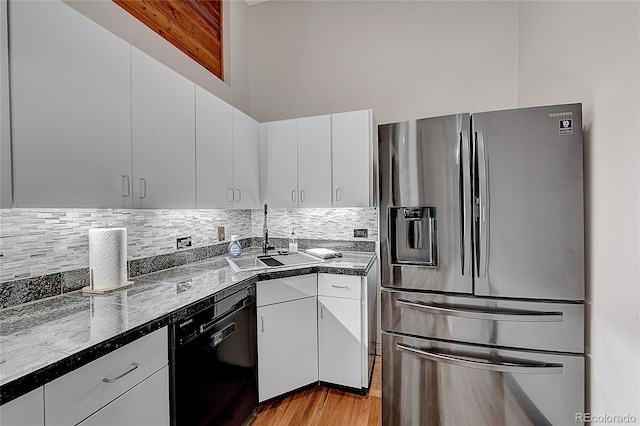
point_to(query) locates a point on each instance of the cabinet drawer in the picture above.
(75, 396)
(132, 408)
(285, 289)
(348, 286)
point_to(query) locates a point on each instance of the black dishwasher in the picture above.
(213, 362)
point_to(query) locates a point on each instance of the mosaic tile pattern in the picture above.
(37, 242)
(318, 224)
(45, 252)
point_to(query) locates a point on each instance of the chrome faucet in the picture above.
(265, 233)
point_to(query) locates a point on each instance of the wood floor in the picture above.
(325, 406)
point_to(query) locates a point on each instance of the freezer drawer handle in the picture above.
(482, 363)
(494, 315)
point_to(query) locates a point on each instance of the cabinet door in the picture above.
(282, 164)
(246, 161)
(314, 161)
(340, 341)
(71, 109)
(27, 410)
(352, 159)
(145, 404)
(214, 152)
(287, 347)
(163, 116)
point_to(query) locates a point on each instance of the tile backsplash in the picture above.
(318, 224)
(36, 242)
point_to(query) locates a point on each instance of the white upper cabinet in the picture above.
(299, 162)
(71, 109)
(282, 164)
(163, 135)
(354, 147)
(214, 152)
(314, 161)
(246, 161)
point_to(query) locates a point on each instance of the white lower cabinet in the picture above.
(112, 379)
(27, 410)
(340, 341)
(145, 404)
(287, 336)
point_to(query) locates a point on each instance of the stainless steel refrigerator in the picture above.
(482, 255)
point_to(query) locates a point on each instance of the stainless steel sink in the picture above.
(256, 263)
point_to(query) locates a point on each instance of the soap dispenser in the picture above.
(235, 249)
(293, 242)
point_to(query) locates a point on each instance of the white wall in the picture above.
(234, 90)
(589, 52)
(417, 59)
(403, 59)
(5, 133)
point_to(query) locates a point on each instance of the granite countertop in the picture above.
(45, 339)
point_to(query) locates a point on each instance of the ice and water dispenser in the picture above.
(413, 236)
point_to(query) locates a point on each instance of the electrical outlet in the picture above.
(361, 233)
(183, 242)
(220, 233)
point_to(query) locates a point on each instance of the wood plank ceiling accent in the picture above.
(193, 26)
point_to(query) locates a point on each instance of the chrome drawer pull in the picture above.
(340, 286)
(134, 365)
(492, 315)
(483, 364)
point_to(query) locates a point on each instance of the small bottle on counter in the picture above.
(235, 249)
(293, 242)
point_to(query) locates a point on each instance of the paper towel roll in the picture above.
(107, 257)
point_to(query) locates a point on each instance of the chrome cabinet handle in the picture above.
(239, 193)
(338, 194)
(134, 365)
(230, 192)
(143, 188)
(482, 363)
(482, 314)
(340, 286)
(482, 204)
(321, 311)
(262, 323)
(302, 196)
(293, 196)
(126, 186)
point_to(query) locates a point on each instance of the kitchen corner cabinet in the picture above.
(227, 161)
(287, 337)
(299, 162)
(354, 142)
(214, 152)
(27, 410)
(246, 161)
(163, 135)
(71, 109)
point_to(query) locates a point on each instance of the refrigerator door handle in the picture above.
(483, 363)
(482, 207)
(464, 173)
(480, 314)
